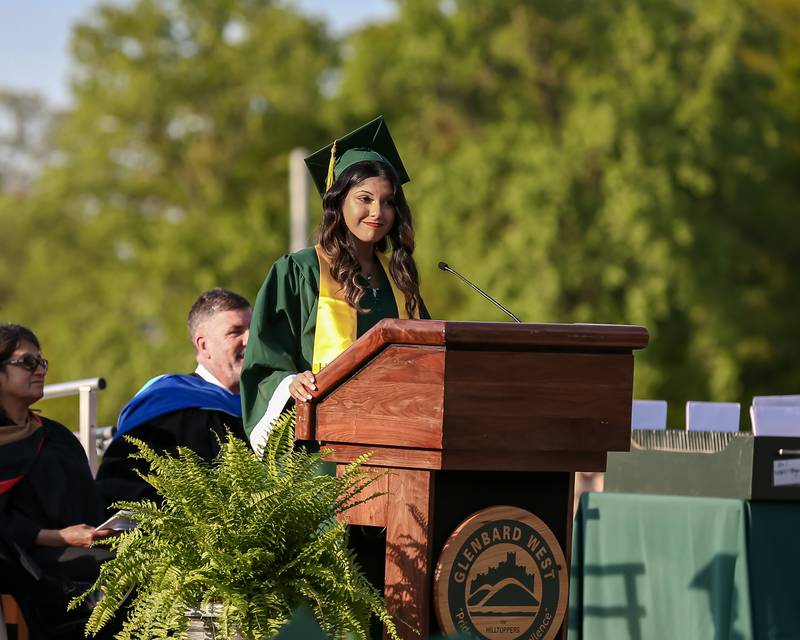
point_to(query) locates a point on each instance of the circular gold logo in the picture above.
(501, 575)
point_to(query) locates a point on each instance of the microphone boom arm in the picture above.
(446, 267)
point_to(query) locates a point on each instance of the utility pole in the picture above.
(298, 200)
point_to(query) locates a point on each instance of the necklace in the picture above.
(368, 278)
(372, 286)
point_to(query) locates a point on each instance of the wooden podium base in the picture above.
(429, 506)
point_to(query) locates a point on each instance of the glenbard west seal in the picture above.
(501, 575)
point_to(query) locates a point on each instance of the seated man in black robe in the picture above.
(192, 411)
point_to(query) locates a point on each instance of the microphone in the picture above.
(446, 267)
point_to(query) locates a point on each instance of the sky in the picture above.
(34, 37)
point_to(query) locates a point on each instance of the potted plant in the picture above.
(250, 538)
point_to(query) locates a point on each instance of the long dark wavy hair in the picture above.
(338, 243)
(11, 335)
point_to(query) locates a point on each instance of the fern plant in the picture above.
(256, 534)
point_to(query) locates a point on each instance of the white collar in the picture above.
(206, 375)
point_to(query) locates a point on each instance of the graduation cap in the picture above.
(371, 141)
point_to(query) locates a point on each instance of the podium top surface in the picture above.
(482, 336)
(529, 334)
(501, 335)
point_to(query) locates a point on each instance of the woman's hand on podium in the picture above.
(302, 386)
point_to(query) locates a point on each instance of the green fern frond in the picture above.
(257, 533)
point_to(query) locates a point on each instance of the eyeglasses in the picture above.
(29, 362)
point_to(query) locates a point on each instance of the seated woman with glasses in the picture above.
(48, 504)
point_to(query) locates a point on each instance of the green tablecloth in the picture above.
(647, 567)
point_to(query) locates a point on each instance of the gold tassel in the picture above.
(329, 179)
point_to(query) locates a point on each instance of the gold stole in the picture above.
(337, 321)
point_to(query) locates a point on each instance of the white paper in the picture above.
(772, 420)
(712, 416)
(649, 414)
(777, 401)
(120, 521)
(786, 473)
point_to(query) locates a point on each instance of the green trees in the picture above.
(170, 179)
(607, 162)
(614, 163)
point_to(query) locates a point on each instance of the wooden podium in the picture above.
(470, 415)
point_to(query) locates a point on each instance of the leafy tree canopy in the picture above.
(621, 162)
(171, 179)
(627, 162)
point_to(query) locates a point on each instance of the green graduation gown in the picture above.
(282, 335)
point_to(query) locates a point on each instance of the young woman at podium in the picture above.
(316, 302)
